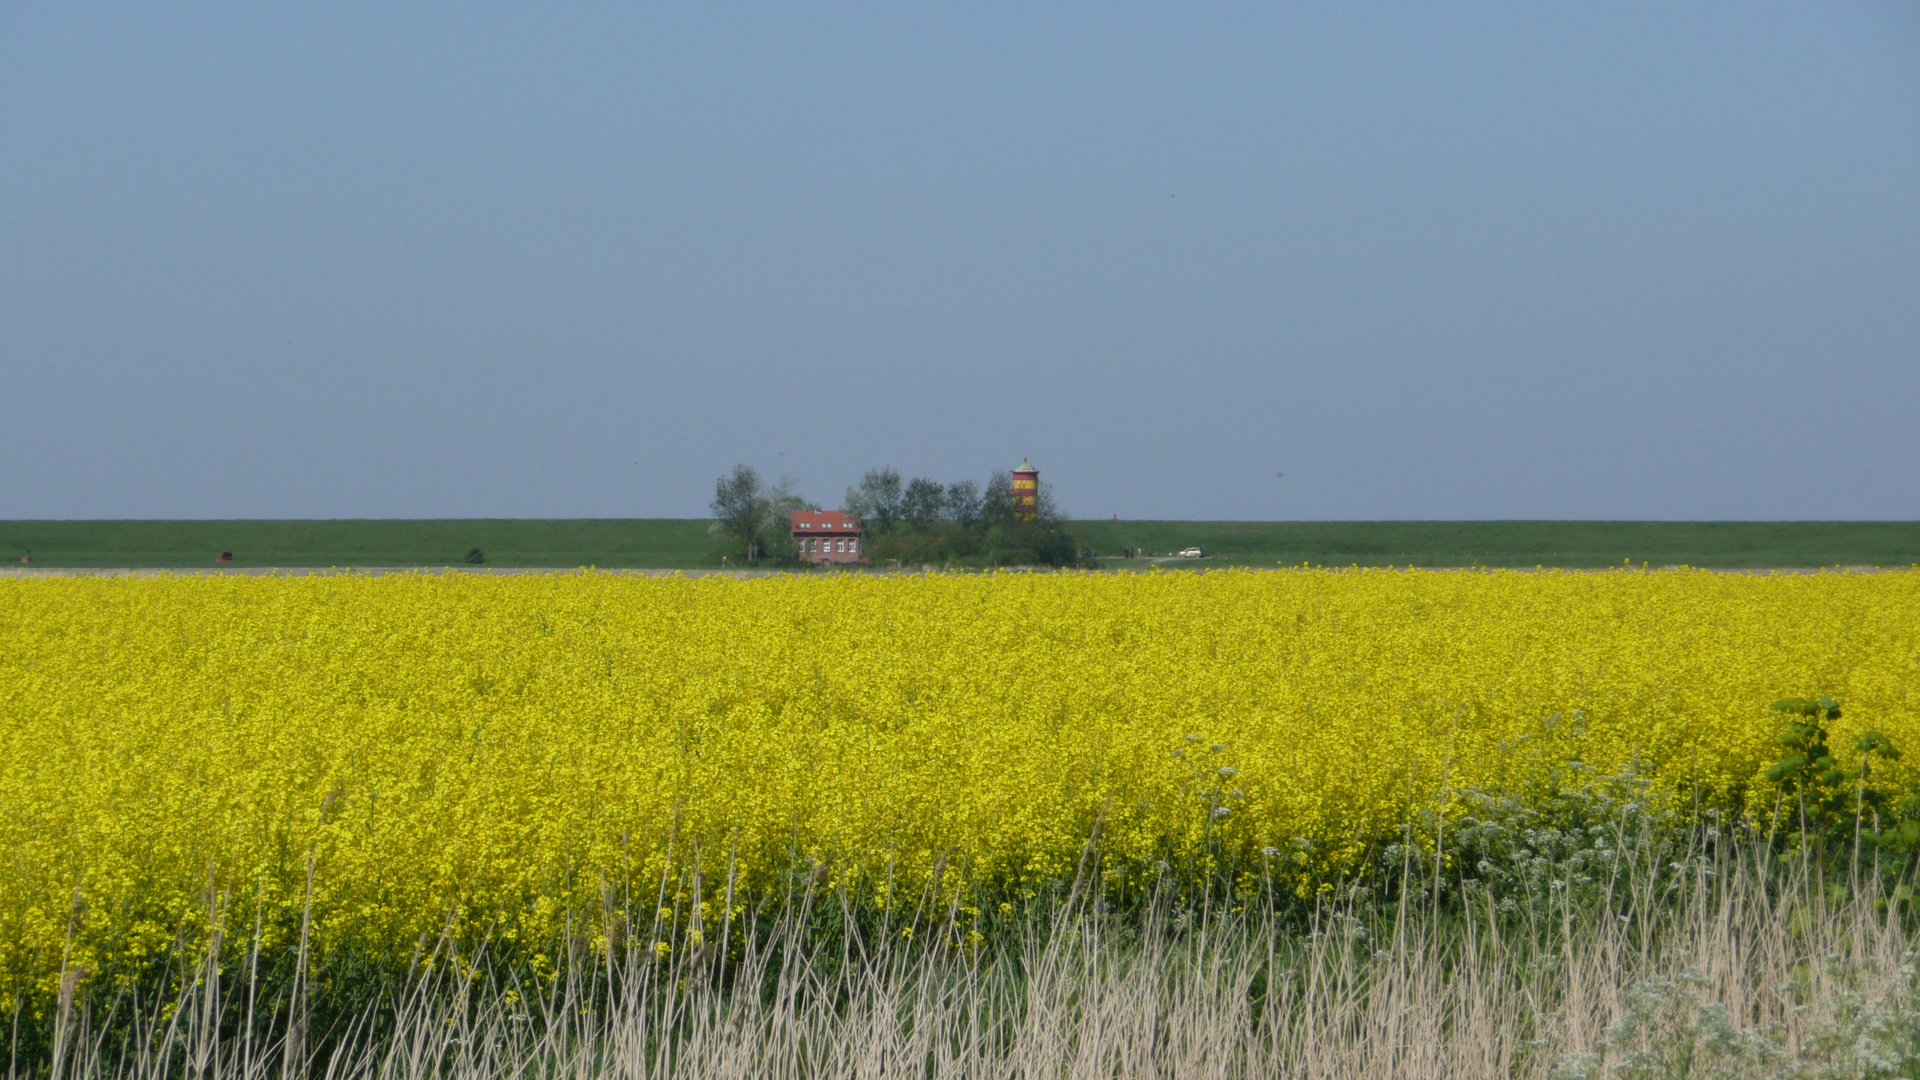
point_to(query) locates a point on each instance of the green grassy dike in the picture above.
(1715, 544)
(681, 543)
(508, 542)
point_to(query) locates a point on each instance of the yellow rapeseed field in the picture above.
(502, 755)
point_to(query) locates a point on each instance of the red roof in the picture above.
(827, 521)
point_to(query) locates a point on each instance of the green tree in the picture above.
(963, 504)
(777, 543)
(877, 499)
(961, 523)
(750, 519)
(997, 505)
(740, 511)
(923, 504)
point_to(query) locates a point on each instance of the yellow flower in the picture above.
(520, 760)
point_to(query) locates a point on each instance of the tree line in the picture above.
(917, 522)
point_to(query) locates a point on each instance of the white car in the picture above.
(1191, 553)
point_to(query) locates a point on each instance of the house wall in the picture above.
(810, 545)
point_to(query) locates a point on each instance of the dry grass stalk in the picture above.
(1742, 969)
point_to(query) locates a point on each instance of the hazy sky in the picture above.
(1622, 260)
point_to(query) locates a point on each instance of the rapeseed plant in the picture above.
(364, 765)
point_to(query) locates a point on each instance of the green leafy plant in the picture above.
(476, 556)
(1835, 805)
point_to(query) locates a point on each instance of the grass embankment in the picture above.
(1571, 544)
(664, 543)
(669, 543)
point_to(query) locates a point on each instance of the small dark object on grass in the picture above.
(476, 556)
(225, 556)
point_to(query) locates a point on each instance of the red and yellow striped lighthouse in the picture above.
(1026, 491)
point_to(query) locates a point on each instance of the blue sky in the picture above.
(1632, 260)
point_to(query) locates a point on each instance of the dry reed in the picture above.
(1722, 965)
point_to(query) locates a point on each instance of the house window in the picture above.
(853, 545)
(839, 545)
